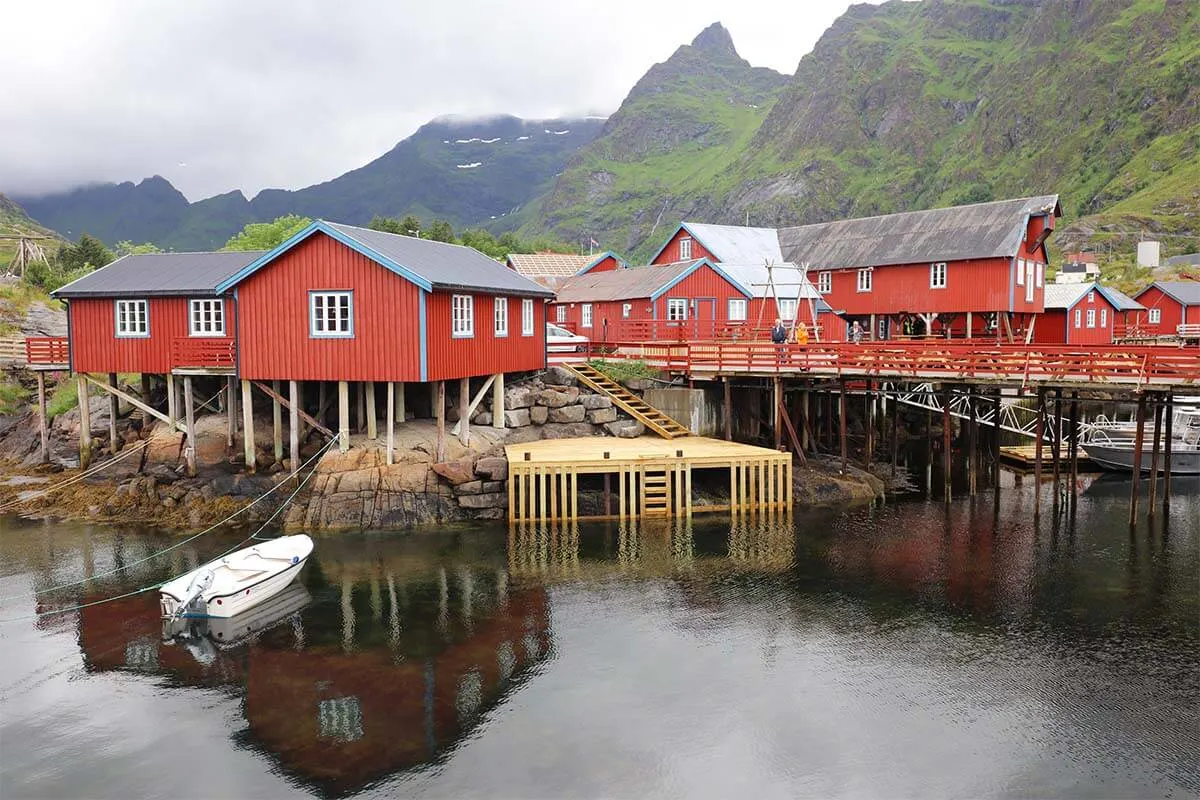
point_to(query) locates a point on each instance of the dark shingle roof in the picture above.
(433, 265)
(160, 274)
(981, 230)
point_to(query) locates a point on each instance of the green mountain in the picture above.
(16, 223)
(469, 172)
(910, 105)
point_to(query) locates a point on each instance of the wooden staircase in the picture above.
(628, 402)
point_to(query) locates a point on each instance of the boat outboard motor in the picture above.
(198, 586)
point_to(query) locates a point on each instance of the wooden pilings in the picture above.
(947, 445)
(113, 413)
(1154, 450)
(1039, 434)
(1170, 413)
(728, 393)
(343, 416)
(390, 449)
(439, 411)
(1073, 445)
(1138, 442)
(372, 413)
(498, 401)
(43, 419)
(248, 426)
(464, 411)
(189, 410)
(276, 424)
(294, 426)
(842, 428)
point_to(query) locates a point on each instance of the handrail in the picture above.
(203, 352)
(48, 350)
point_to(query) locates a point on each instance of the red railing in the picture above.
(653, 330)
(48, 350)
(937, 359)
(191, 351)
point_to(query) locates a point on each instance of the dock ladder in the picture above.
(628, 402)
(655, 494)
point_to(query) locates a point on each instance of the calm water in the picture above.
(905, 651)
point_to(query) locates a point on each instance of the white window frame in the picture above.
(560, 314)
(937, 275)
(1091, 317)
(824, 282)
(787, 308)
(500, 316)
(1029, 287)
(1020, 272)
(527, 317)
(585, 315)
(131, 319)
(1154, 316)
(327, 295)
(462, 316)
(1041, 273)
(1092, 296)
(1104, 318)
(211, 313)
(865, 281)
(677, 309)
(738, 303)
(685, 249)
(1078, 318)
(626, 310)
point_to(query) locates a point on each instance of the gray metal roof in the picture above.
(1122, 301)
(981, 230)
(737, 244)
(445, 266)
(789, 280)
(160, 274)
(1065, 295)
(1186, 292)
(620, 284)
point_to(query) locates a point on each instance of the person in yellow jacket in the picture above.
(801, 333)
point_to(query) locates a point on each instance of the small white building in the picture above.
(1078, 272)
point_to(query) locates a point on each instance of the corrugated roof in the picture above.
(1065, 295)
(789, 280)
(736, 244)
(161, 274)
(1186, 292)
(1122, 301)
(537, 265)
(981, 230)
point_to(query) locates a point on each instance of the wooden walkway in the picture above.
(654, 476)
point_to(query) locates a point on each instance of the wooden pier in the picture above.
(653, 477)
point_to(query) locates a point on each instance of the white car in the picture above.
(561, 340)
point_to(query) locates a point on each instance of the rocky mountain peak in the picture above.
(715, 39)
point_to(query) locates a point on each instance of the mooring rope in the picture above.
(195, 536)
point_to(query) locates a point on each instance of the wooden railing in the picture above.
(959, 359)
(189, 351)
(655, 330)
(48, 350)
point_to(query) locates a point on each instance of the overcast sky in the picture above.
(249, 94)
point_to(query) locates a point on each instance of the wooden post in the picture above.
(996, 440)
(728, 409)
(1158, 415)
(969, 324)
(1167, 453)
(248, 427)
(391, 422)
(439, 411)
(972, 443)
(372, 423)
(1073, 445)
(360, 407)
(776, 422)
(85, 422)
(145, 381)
(498, 401)
(1057, 439)
(947, 454)
(43, 423)
(172, 402)
(276, 424)
(322, 400)
(1040, 432)
(343, 416)
(869, 424)
(842, 428)
(294, 426)
(401, 407)
(895, 433)
(113, 412)
(189, 410)
(929, 452)
(464, 406)
(230, 410)
(1138, 441)
(805, 437)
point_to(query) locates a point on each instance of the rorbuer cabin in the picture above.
(1168, 305)
(335, 306)
(1082, 313)
(672, 301)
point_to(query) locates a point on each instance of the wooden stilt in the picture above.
(929, 453)
(1170, 414)
(343, 416)
(322, 400)
(276, 424)
(607, 494)
(969, 322)
(248, 427)
(1073, 446)
(294, 426)
(464, 411)
(842, 428)
(145, 381)
(1040, 433)
(895, 434)
(439, 411)
(947, 444)
(1154, 449)
(360, 407)
(372, 414)
(401, 406)
(230, 411)
(114, 411)
(996, 441)
(728, 409)
(1056, 456)
(777, 401)
(391, 425)
(869, 426)
(805, 431)
(43, 422)
(172, 402)
(498, 401)
(1138, 442)
(513, 478)
(189, 410)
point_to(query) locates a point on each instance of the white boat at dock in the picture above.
(1116, 450)
(236, 582)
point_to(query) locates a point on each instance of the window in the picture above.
(1104, 318)
(1091, 318)
(685, 249)
(500, 315)
(864, 280)
(331, 314)
(676, 309)
(527, 317)
(1041, 273)
(340, 719)
(462, 316)
(133, 318)
(737, 309)
(825, 282)
(787, 308)
(1155, 316)
(1078, 318)
(585, 315)
(560, 314)
(206, 318)
(1029, 287)
(937, 275)
(1020, 272)
(626, 310)
(1092, 296)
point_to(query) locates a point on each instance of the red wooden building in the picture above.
(1082, 313)
(1168, 304)
(652, 302)
(721, 244)
(551, 269)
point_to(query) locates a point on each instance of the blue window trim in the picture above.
(312, 334)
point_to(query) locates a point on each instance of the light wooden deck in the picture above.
(654, 476)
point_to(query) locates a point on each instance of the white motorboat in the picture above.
(238, 581)
(1117, 452)
(199, 634)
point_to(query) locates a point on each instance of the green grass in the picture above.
(624, 370)
(63, 399)
(14, 398)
